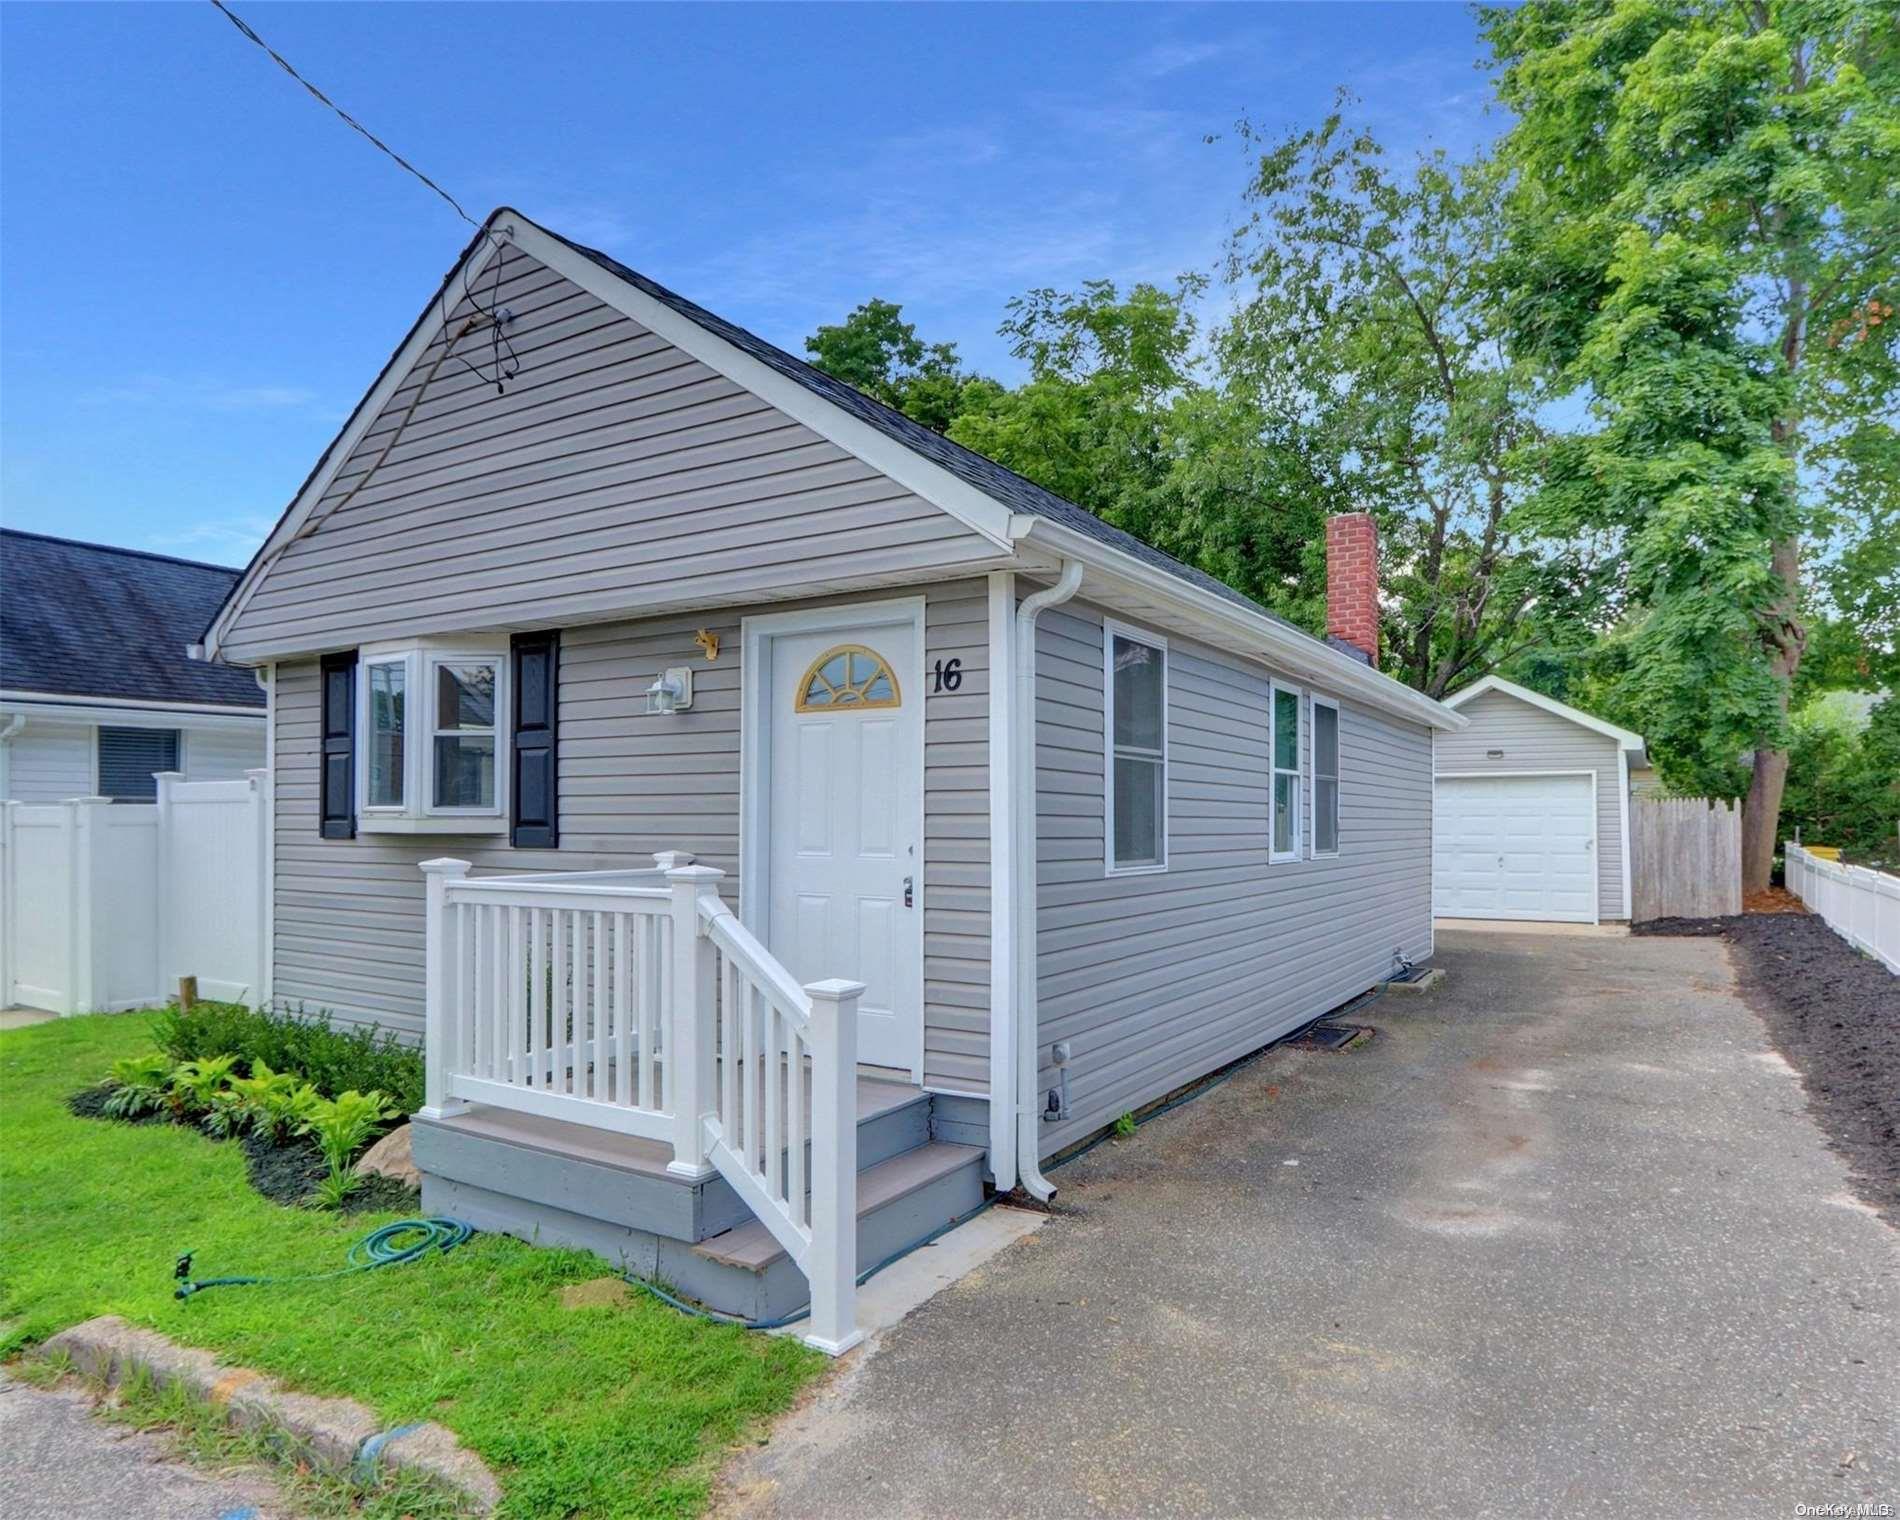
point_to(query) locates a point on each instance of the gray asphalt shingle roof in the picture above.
(92, 620)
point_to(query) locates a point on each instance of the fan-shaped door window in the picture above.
(849, 676)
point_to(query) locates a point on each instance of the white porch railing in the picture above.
(635, 1001)
(1860, 905)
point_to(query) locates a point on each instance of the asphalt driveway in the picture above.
(1561, 1240)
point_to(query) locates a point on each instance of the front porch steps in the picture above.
(557, 1183)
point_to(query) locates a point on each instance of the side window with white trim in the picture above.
(1136, 698)
(432, 751)
(1325, 777)
(1285, 718)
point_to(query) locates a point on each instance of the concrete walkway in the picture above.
(1562, 1240)
(59, 1461)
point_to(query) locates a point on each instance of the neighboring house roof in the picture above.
(1624, 738)
(987, 489)
(90, 620)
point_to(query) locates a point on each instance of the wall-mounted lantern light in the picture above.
(672, 692)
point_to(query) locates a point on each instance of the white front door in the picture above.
(1515, 847)
(846, 764)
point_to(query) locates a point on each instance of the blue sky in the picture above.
(201, 270)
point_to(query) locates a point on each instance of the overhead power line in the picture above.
(284, 63)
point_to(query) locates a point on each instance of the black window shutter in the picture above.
(337, 813)
(536, 768)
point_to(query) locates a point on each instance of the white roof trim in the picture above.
(978, 511)
(1551, 705)
(1266, 639)
(110, 711)
(1270, 640)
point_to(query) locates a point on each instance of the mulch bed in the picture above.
(1835, 1015)
(285, 1172)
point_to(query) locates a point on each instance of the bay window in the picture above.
(431, 758)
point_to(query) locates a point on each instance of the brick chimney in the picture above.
(1352, 582)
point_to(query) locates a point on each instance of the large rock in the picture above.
(391, 1156)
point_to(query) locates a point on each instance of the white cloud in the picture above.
(204, 395)
(234, 538)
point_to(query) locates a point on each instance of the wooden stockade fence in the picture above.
(1685, 858)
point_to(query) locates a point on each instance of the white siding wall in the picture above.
(1534, 740)
(1158, 979)
(49, 762)
(219, 754)
(349, 911)
(617, 475)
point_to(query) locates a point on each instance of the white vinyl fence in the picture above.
(1860, 905)
(106, 906)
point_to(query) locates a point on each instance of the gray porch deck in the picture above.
(559, 1183)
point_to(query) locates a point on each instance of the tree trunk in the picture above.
(1761, 812)
(1761, 817)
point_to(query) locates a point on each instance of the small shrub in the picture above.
(269, 1103)
(334, 1061)
(196, 1084)
(342, 1126)
(140, 1085)
(1125, 1126)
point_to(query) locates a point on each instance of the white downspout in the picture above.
(13, 726)
(1028, 1068)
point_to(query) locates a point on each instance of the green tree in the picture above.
(1368, 334)
(877, 351)
(1704, 236)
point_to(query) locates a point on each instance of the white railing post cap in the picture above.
(444, 865)
(690, 874)
(834, 989)
(672, 860)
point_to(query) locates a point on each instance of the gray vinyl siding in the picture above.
(349, 916)
(617, 475)
(1535, 740)
(1157, 979)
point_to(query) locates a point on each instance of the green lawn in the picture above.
(597, 1411)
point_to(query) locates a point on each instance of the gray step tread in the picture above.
(560, 1137)
(754, 1247)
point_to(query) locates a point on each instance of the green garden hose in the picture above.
(379, 1248)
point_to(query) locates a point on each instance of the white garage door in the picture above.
(1515, 847)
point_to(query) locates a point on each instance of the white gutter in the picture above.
(1256, 634)
(1028, 1068)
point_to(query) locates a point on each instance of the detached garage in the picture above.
(1531, 810)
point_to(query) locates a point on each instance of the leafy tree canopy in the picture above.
(876, 350)
(1704, 235)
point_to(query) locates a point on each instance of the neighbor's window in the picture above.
(1138, 727)
(465, 733)
(1325, 777)
(387, 730)
(1286, 774)
(130, 757)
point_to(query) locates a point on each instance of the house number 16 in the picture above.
(949, 675)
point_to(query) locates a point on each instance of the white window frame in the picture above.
(1339, 750)
(1275, 770)
(365, 734)
(418, 813)
(1111, 630)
